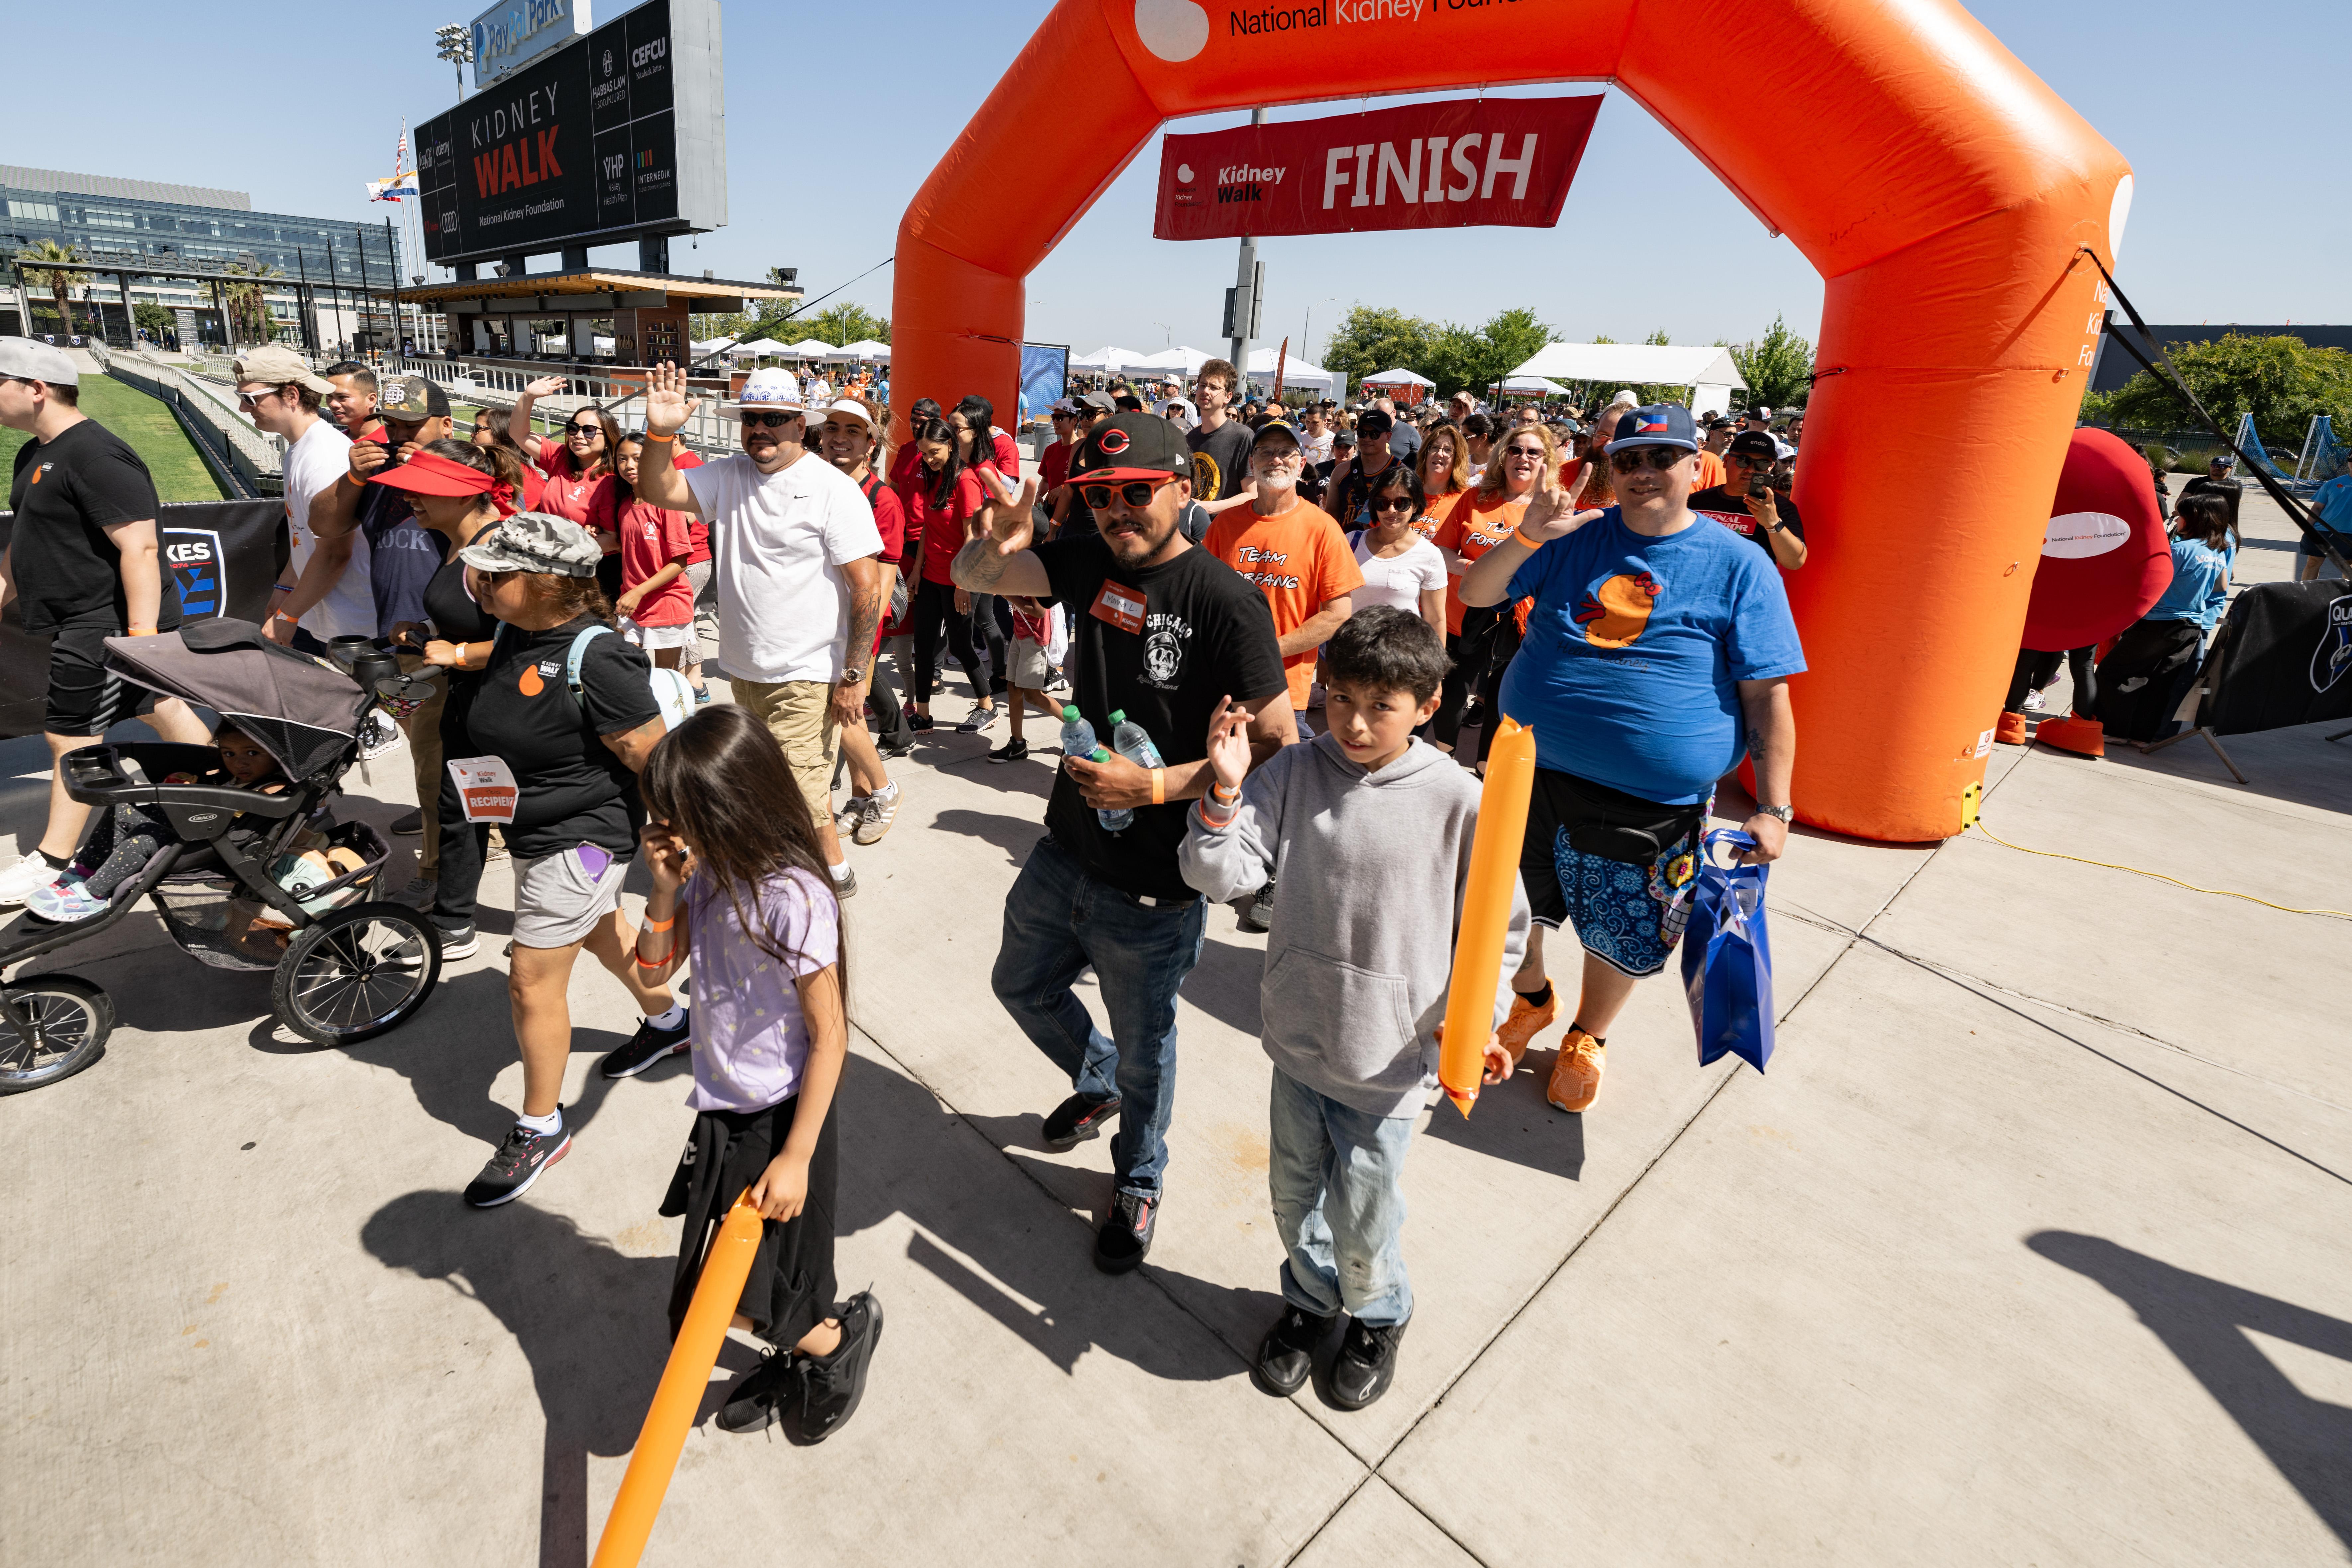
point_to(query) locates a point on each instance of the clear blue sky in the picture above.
(2233, 217)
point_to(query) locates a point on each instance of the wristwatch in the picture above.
(1787, 813)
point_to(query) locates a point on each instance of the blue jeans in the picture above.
(1058, 921)
(1335, 1175)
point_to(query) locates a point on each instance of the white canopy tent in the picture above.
(1534, 385)
(1708, 372)
(1399, 377)
(1184, 360)
(1108, 359)
(867, 349)
(1296, 373)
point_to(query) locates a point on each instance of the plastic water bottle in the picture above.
(1078, 735)
(1133, 742)
(1117, 821)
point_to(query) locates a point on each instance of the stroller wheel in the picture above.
(357, 973)
(70, 1020)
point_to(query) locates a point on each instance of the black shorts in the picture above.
(85, 697)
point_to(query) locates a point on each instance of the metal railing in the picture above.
(709, 430)
(254, 459)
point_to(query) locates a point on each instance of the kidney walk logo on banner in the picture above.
(200, 565)
(2331, 660)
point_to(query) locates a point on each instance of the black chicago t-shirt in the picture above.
(1220, 459)
(1204, 634)
(1731, 511)
(574, 790)
(66, 492)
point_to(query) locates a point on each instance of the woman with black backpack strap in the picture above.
(557, 726)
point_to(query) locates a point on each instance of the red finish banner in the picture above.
(1493, 161)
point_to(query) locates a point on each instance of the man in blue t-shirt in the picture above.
(2331, 507)
(1658, 655)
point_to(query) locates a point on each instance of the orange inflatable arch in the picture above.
(1943, 191)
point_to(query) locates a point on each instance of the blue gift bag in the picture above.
(1727, 957)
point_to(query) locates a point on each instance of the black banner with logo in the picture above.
(2288, 658)
(226, 556)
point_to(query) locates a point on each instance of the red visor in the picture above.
(431, 474)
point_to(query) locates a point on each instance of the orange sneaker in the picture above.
(1576, 1077)
(1525, 1022)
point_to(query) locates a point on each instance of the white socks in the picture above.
(671, 1019)
(550, 1122)
(840, 872)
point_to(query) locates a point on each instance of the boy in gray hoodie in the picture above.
(1369, 831)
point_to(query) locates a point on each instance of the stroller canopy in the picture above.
(301, 711)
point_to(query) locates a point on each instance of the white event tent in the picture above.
(1397, 377)
(867, 349)
(1707, 371)
(1296, 373)
(1534, 385)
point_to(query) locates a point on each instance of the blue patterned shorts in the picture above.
(1630, 916)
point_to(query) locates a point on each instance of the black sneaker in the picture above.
(457, 941)
(1077, 1119)
(844, 886)
(762, 1394)
(831, 1385)
(517, 1165)
(409, 826)
(919, 722)
(1257, 916)
(1125, 1239)
(976, 721)
(1015, 749)
(1366, 1365)
(1286, 1357)
(649, 1044)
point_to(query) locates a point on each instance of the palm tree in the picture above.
(247, 312)
(37, 267)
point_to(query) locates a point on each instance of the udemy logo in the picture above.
(1175, 30)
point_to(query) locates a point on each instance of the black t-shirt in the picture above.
(573, 789)
(1720, 501)
(1219, 460)
(66, 493)
(1356, 494)
(1206, 633)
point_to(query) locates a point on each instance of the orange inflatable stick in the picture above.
(1487, 912)
(683, 1384)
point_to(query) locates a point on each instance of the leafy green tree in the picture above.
(842, 324)
(248, 313)
(1778, 369)
(154, 317)
(1371, 340)
(2281, 381)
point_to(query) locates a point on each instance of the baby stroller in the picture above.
(345, 969)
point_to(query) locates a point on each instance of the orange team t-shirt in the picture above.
(1473, 525)
(1710, 470)
(1299, 560)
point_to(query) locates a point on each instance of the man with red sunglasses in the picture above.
(1168, 636)
(1657, 656)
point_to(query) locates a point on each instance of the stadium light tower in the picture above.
(456, 42)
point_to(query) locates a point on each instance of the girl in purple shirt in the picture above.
(740, 888)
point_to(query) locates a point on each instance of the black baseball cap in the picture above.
(1754, 443)
(1373, 421)
(1274, 425)
(1130, 402)
(1656, 424)
(1131, 445)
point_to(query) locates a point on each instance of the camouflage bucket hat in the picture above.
(534, 541)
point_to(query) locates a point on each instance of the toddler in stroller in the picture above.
(127, 836)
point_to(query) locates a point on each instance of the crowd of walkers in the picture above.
(1264, 640)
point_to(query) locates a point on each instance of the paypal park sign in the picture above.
(517, 31)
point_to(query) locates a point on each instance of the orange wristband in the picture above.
(658, 925)
(650, 435)
(1519, 536)
(1159, 786)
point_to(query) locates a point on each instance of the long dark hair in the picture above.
(2203, 516)
(719, 780)
(501, 463)
(943, 483)
(602, 463)
(979, 428)
(623, 493)
(1396, 477)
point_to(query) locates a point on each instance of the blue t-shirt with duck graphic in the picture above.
(1634, 651)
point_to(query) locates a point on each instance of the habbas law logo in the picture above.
(199, 565)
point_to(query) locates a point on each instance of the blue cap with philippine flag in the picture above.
(1656, 424)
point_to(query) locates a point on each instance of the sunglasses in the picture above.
(248, 399)
(1535, 452)
(589, 427)
(1134, 492)
(767, 421)
(1391, 503)
(1630, 460)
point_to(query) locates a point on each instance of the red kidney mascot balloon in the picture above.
(2105, 559)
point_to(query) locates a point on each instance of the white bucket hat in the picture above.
(771, 389)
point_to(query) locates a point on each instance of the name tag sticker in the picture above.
(486, 788)
(1121, 605)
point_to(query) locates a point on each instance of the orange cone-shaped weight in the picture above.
(683, 1383)
(1487, 912)
(2086, 737)
(2010, 729)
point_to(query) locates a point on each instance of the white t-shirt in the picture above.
(320, 458)
(778, 543)
(1400, 579)
(1316, 449)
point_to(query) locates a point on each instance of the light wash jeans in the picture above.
(1058, 922)
(1335, 1175)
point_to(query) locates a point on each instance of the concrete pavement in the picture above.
(2027, 1249)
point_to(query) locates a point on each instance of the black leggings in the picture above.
(1490, 637)
(2036, 669)
(933, 609)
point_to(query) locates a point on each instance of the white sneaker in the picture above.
(2035, 701)
(19, 880)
